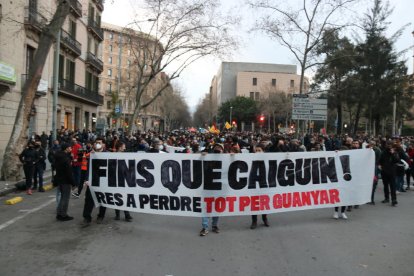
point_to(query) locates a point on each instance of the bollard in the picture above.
(48, 187)
(14, 200)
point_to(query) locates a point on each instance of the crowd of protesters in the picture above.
(69, 157)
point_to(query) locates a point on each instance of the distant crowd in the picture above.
(69, 159)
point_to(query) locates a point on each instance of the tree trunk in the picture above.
(357, 117)
(18, 139)
(302, 75)
(339, 121)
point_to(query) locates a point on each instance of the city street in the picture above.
(376, 240)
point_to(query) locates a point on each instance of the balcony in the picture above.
(94, 62)
(99, 4)
(76, 8)
(33, 20)
(70, 89)
(70, 43)
(95, 29)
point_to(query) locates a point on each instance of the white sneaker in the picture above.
(336, 216)
(343, 215)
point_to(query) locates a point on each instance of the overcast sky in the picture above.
(195, 81)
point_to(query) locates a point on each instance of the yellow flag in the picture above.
(227, 125)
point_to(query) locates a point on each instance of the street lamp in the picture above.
(231, 111)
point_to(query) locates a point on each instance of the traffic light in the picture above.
(113, 121)
(234, 123)
(261, 118)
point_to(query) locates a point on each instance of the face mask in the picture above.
(160, 147)
(222, 139)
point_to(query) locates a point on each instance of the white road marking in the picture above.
(10, 222)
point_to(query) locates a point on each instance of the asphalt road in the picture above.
(375, 240)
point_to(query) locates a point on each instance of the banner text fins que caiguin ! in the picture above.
(225, 185)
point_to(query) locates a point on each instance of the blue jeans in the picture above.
(399, 182)
(58, 196)
(204, 222)
(38, 173)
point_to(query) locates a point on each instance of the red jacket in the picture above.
(75, 161)
(410, 153)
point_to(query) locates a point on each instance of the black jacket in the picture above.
(41, 163)
(388, 162)
(29, 156)
(63, 166)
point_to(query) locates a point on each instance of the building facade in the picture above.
(21, 24)
(119, 81)
(254, 80)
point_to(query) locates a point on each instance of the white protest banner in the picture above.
(226, 185)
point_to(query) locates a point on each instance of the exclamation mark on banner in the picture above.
(345, 167)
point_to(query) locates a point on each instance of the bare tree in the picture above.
(18, 139)
(301, 29)
(174, 109)
(275, 104)
(178, 33)
(203, 114)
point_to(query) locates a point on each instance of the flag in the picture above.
(227, 125)
(213, 129)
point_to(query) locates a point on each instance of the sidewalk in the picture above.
(7, 187)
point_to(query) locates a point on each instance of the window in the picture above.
(70, 71)
(110, 48)
(110, 87)
(257, 96)
(72, 28)
(252, 95)
(111, 36)
(129, 63)
(110, 72)
(129, 52)
(292, 83)
(92, 82)
(254, 81)
(91, 12)
(29, 58)
(110, 60)
(89, 43)
(61, 67)
(108, 105)
(129, 75)
(273, 82)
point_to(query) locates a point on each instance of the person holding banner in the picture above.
(156, 146)
(258, 149)
(217, 148)
(120, 147)
(89, 204)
